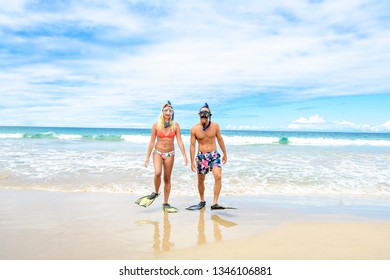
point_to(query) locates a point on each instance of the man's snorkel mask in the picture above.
(205, 114)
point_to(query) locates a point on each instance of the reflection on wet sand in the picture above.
(164, 244)
(217, 221)
(201, 228)
(160, 245)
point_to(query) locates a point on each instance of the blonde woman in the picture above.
(162, 147)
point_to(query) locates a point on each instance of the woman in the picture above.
(164, 130)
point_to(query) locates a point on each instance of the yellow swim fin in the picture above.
(146, 200)
(169, 209)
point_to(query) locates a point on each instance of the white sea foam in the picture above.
(11, 135)
(337, 142)
(261, 140)
(250, 140)
(265, 171)
(301, 141)
(69, 136)
(113, 161)
(139, 139)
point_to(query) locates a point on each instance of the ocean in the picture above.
(259, 162)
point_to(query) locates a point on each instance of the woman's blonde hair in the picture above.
(161, 119)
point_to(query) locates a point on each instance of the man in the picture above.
(207, 133)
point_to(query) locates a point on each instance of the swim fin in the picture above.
(219, 207)
(146, 200)
(198, 206)
(169, 209)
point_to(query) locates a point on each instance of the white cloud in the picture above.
(315, 122)
(363, 127)
(119, 55)
(314, 119)
(351, 125)
(12, 6)
(383, 127)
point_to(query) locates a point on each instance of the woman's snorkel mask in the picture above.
(205, 114)
(168, 107)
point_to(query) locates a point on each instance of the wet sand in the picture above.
(301, 241)
(43, 225)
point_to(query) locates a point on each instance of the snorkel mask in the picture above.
(204, 114)
(168, 109)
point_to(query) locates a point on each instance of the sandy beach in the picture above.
(44, 225)
(302, 241)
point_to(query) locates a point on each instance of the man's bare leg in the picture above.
(217, 172)
(201, 178)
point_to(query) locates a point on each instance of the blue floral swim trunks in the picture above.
(206, 161)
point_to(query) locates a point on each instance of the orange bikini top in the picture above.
(171, 134)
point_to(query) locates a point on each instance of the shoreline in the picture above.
(107, 226)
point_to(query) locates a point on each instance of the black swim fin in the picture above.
(219, 207)
(198, 206)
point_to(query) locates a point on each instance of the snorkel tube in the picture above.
(173, 114)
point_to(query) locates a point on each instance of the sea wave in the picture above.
(301, 141)
(104, 137)
(60, 136)
(234, 140)
(258, 169)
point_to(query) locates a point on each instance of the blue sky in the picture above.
(264, 65)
